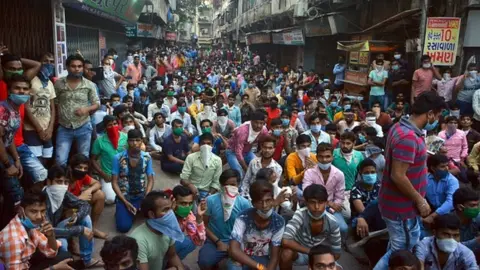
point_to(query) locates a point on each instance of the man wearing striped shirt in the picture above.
(310, 226)
(402, 194)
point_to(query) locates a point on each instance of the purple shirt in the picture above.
(239, 144)
(335, 184)
(405, 143)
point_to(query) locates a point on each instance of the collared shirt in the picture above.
(473, 137)
(349, 169)
(235, 115)
(194, 110)
(294, 169)
(456, 144)
(445, 88)
(461, 258)
(299, 229)
(103, 148)
(196, 231)
(405, 143)
(339, 71)
(474, 157)
(239, 144)
(469, 233)
(323, 138)
(69, 100)
(153, 109)
(202, 176)
(254, 166)
(335, 184)
(132, 181)
(158, 135)
(17, 245)
(440, 193)
(186, 120)
(135, 72)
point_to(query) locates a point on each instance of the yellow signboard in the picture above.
(441, 40)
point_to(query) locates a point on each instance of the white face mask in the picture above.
(198, 102)
(126, 129)
(427, 65)
(130, 58)
(208, 109)
(447, 76)
(56, 193)
(222, 120)
(112, 61)
(205, 153)
(397, 56)
(228, 197)
(303, 153)
(473, 74)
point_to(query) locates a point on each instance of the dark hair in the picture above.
(205, 121)
(8, 57)
(403, 258)
(78, 159)
(120, 109)
(74, 57)
(259, 189)
(114, 95)
(114, 250)
(466, 115)
(425, 57)
(267, 139)
(318, 250)
(258, 116)
(206, 136)
(286, 113)
(463, 195)
(450, 118)
(134, 134)
(264, 174)
(17, 78)
(436, 160)
(128, 117)
(222, 111)
(127, 98)
(157, 114)
(176, 122)
(148, 203)
(227, 174)
(56, 171)
(33, 197)
(315, 191)
(371, 131)
(303, 138)
(348, 135)
(365, 163)
(447, 221)
(274, 99)
(276, 122)
(313, 117)
(108, 118)
(331, 127)
(181, 191)
(322, 147)
(428, 101)
(379, 61)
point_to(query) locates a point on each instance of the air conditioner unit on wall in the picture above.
(300, 9)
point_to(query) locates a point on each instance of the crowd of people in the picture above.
(279, 167)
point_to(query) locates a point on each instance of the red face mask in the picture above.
(113, 135)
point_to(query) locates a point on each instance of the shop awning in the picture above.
(126, 11)
(403, 17)
(367, 46)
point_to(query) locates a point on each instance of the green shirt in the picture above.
(103, 148)
(152, 247)
(348, 169)
(201, 176)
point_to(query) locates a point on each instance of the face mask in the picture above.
(177, 131)
(448, 245)
(115, 56)
(77, 174)
(113, 136)
(395, 67)
(183, 211)
(325, 166)
(432, 126)
(397, 56)
(305, 152)
(285, 122)
(75, 75)
(141, 86)
(426, 66)
(198, 102)
(168, 225)
(265, 215)
(362, 138)
(207, 130)
(46, 70)
(182, 109)
(447, 76)
(316, 128)
(18, 99)
(379, 69)
(473, 74)
(27, 224)
(471, 212)
(440, 174)
(115, 104)
(347, 107)
(333, 104)
(130, 58)
(10, 73)
(318, 217)
(228, 197)
(250, 85)
(56, 193)
(273, 105)
(277, 132)
(208, 109)
(126, 129)
(370, 178)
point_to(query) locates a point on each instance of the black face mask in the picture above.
(77, 174)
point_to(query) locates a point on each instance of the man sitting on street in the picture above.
(175, 149)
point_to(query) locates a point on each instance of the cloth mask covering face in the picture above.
(447, 76)
(362, 138)
(333, 104)
(324, 166)
(370, 178)
(285, 122)
(222, 120)
(205, 154)
(441, 174)
(168, 225)
(10, 73)
(18, 99)
(126, 129)
(183, 211)
(277, 132)
(78, 174)
(448, 245)
(113, 135)
(182, 109)
(177, 131)
(75, 75)
(347, 107)
(304, 153)
(27, 224)
(45, 72)
(56, 193)
(316, 128)
(395, 67)
(228, 196)
(265, 215)
(471, 212)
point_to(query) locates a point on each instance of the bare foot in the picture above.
(99, 234)
(94, 263)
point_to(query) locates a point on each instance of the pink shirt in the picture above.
(456, 145)
(335, 184)
(445, 88)
(239, 144)
(195, 231)
(135, 72)
(422, 81)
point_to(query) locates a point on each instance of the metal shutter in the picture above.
(85, 40)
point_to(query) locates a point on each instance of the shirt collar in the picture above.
(406, 123)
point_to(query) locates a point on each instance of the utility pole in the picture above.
(423, 22)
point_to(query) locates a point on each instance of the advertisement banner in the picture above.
(131, 30)
(126, 10)
(258, 38)
(441, 40)
(289, 37)
(145, 30)
(171, 36)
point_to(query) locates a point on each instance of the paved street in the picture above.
(164, 181)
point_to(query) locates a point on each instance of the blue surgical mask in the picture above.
(370, 178)
(448, 245)
(250, 85)
(440, 174)
(167, 225)
(277, 132)
(318, 217)
(265, 215)
(285, 122)
(27, 223)
(19, 99)
(347, 107)
(115, 104)
(182, 109)
(432, 126)
(316, 128)
(395, 67)
(333, 104)
(325, 166)
(362, 138)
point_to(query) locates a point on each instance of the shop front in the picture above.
(290, 46)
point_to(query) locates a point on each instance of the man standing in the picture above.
(339, 72)
(404, 184)
(423, 78)
(76, 98)
(134, 70)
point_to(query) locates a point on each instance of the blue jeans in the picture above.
(209, 256)
(232, 265)
(12, 192)
(233, 161)
(373, 99)
(124, 218)
(184, 248)
(465, 107)
(31, 164)
(342, 225)
(403, 234)
(65, 137)
(86, 247)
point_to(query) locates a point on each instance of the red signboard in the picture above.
(171, 36)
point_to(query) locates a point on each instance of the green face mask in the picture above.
(177, 131)
(183, 211)
(207, 130)
(471, 212)
(10, 73)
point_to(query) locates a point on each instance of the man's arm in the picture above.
(150, 173)
(238, 255)
(401, 181)
(173, 259)
(31, 68)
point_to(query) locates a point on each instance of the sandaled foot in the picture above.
(99, 234)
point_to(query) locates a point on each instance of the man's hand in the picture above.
(63, 265)
(362, 227)
(12, 171)
(309, 163)
(202, 208)
(335, 206)
(73, 220)
(428, 220)
(222, 246)
(107, 178)
(282, 196)
(47, 229)
(88, 233)
(48, 134)
(423, 207)
(20, 211)
(42, 134)
(86, 195)
(131, 208)
(193, 189)
(81, 112)
(19, 167)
